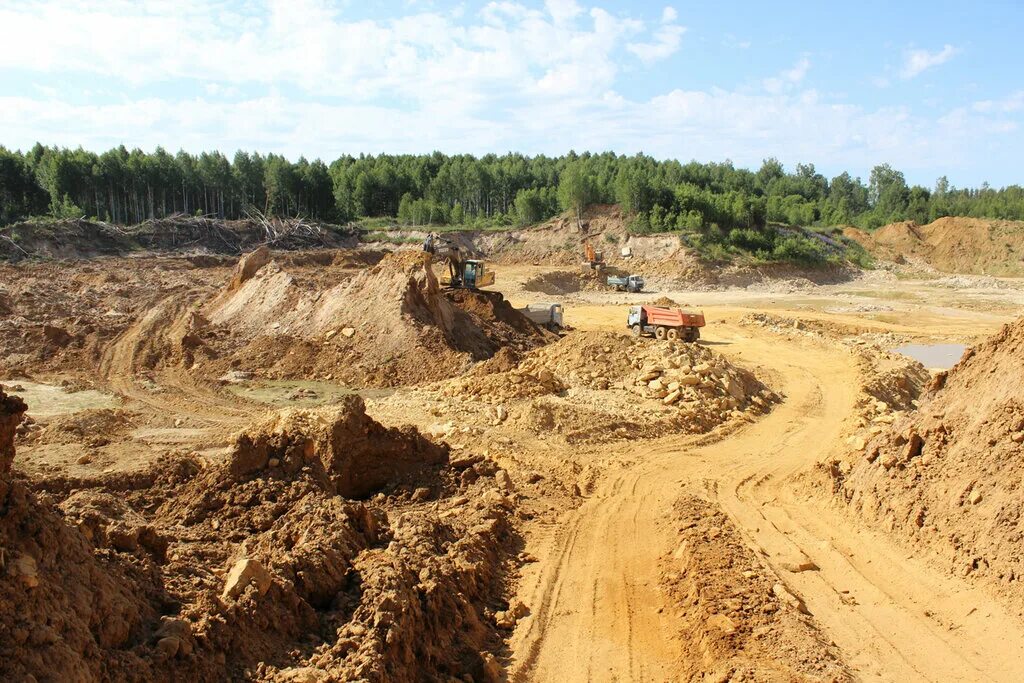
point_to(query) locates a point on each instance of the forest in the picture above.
(126, 187)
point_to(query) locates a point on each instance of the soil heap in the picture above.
(949, 476)
(953, 245)
(596, 386)
(390, 324)
(272, 564)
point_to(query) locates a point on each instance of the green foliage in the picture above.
(707, 200)
(799, 249)
(575, 188)
(533, 205)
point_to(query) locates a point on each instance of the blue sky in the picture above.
(934, 88)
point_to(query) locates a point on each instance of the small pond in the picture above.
(934, 356)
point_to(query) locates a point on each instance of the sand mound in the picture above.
(261, 566)
(949, 475)
(953, 245)
(390, 324)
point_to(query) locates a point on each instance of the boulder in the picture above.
(246, 571)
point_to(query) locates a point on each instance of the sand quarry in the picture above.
(320, 465)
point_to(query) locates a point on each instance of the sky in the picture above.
(933, 88)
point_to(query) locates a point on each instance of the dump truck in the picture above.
(626, 283)
(544, 314)
(665, 323)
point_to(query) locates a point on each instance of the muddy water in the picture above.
(48, 400)
(934, 356)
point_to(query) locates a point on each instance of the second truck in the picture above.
(665, 323)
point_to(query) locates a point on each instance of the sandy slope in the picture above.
(598, 613)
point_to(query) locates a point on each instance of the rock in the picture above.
(25, 568)
(303, 674)
(803, 564)
(975, 497)
(722, 622)
(913, 447)
(492, 672)
(649, 375)
(171, 626)
(655, 385)
(502, 413)
(1018, 437)
(421, 494)
(348, 332)
(702, 368)
(168, 646)
(503, 480)
(123, 538)
(672, 397)
(330, 335)
(689, 380)
(789, 599)
(84, 459)
(246, 571)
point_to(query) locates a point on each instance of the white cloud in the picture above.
(789, 78)
(666, 39)
(301, 78)
(1007, 105)
(563, 10)
(917, 61)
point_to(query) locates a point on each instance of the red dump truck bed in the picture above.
(672, 317)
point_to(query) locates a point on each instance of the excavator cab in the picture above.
(476, 275)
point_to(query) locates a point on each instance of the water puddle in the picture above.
(49, 400)
(300, 393)
(934, 356)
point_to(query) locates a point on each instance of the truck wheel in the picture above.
(659, 333)
(673, 334)
(636, 330)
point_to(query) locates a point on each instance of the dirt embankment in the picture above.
(323, 547)
(390, 324)
(740, 621)
(80, 239)
(948, 477)
(953, 245)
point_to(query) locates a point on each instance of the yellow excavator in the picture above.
(462, 273)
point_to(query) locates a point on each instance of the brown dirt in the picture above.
(952, 245)
(12, 409)
(948, 477)
(390, 324)
(133, 583)
(82, 239)
(597, 387)
(742, 620)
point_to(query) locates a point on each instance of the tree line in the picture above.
(129, 186)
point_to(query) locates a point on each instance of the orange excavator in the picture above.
(592, 258)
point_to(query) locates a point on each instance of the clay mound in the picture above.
(949, 475)
(953, 245)
(390, 324)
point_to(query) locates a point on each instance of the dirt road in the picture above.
(598, 613)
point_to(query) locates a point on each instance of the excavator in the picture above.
(462, 273)
(592, 258)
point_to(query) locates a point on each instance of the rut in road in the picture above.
(598, 613)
